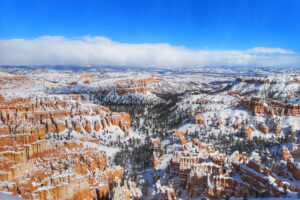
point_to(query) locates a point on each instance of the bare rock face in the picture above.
(88, 127)
(156, 161)
(122, 120)
(179, 136)
(36, 167)
(97, 126)
(199, 120)
(258, 106)
(293, 169)
(77, 126)
(248, 133)
(127, 191)
(205, 171)
(60, 126)
(133, 90)
(237, 126)
(138, 83)
(254, 80)
(121, 88)
(163, 193)
(4, 129)
(285, 154)
(13, 81)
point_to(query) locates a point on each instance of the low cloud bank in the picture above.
(54, 50)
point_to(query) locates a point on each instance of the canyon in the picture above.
(160, 135)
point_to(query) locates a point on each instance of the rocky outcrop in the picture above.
(163, 192)
(202, 171)
(41, 160)
(199, 120)
(122, 87)
(138, 83)
(12, 81)
(179, 136)
(294, 169)
(285, 154)
(258, 106)
(254, 80)
(127, 191)
(248, 132)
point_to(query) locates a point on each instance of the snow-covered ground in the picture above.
(200, 92)
(7, 196)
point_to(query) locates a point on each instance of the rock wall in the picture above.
(258, 106)
(41, 160)
(203, 171)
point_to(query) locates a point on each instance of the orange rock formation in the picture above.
(38, 167)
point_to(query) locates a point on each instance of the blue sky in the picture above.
(194, 24)
(212, 24)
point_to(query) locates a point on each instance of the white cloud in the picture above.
(270, 50)
(56, 50)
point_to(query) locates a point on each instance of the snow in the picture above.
(282, 87)
(214, 106)
(8, 196)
